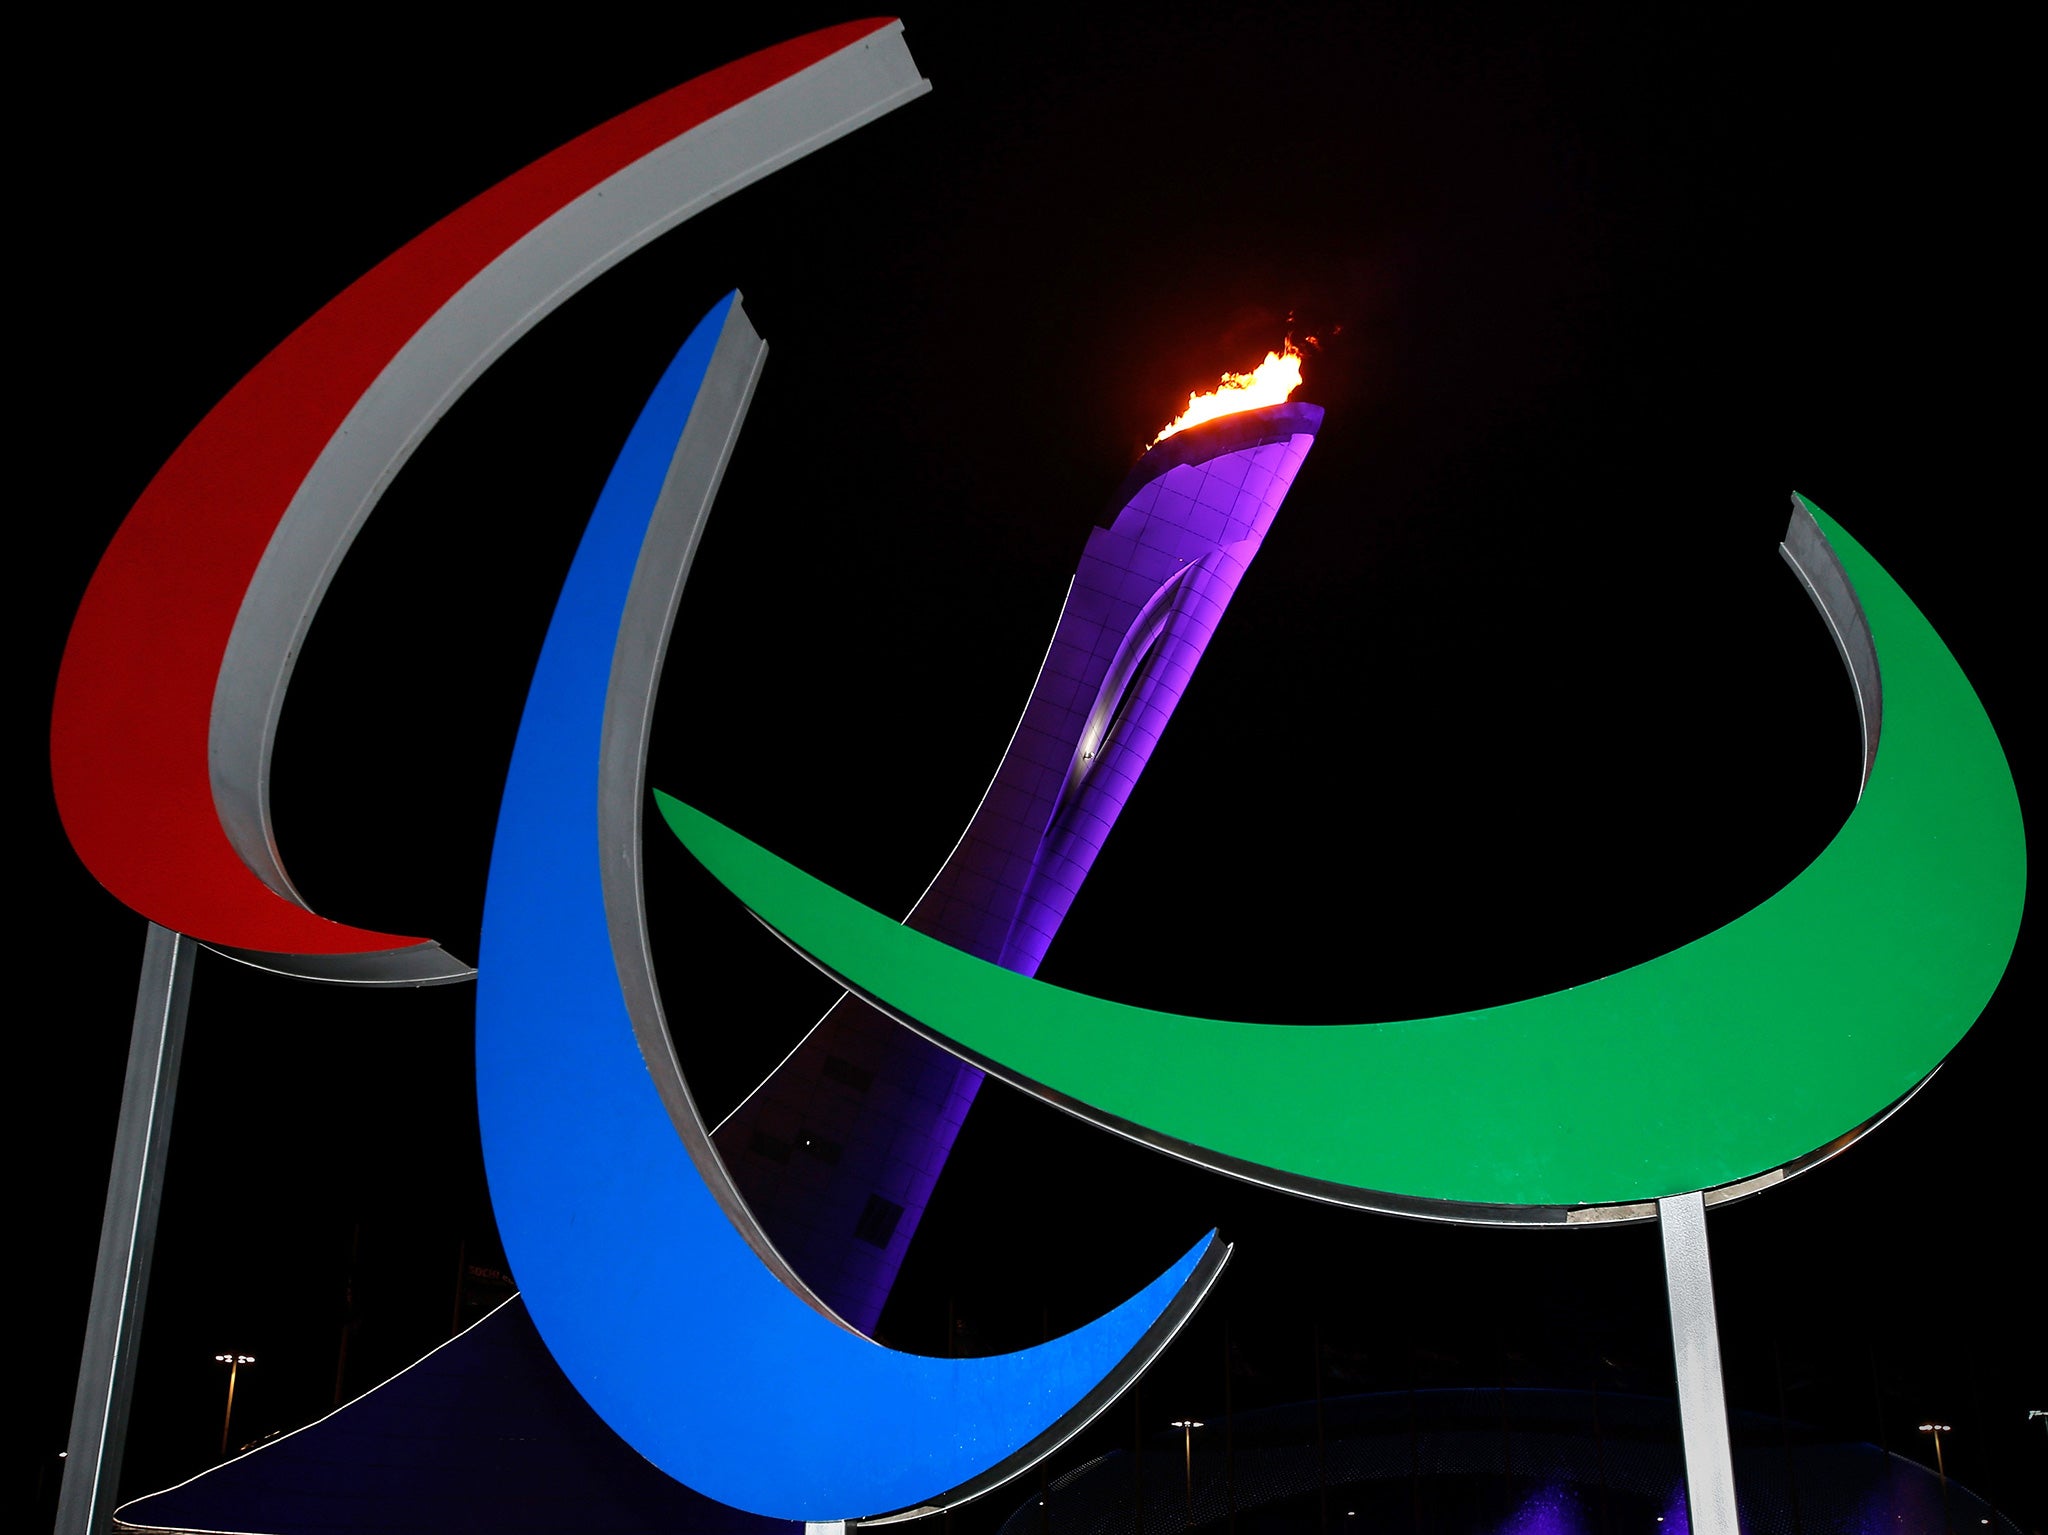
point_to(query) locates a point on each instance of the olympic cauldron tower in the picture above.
(838, 1151)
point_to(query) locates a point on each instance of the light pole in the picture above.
(234, 1362)
(1938, 1429)
(1940, 1470)
(1187, 1427)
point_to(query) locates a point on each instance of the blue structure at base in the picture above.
(484, 1436)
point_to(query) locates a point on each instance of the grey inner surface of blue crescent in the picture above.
(673, 533)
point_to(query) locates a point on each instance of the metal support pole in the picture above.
(227, 1420)
(826, 1527)
(1696, 1349)
(1188, 1440)
(113, 1327)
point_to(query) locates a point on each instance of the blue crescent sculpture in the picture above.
(650, 1282)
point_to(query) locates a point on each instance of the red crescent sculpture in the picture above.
(172, 680)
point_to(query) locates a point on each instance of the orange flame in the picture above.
(1270, 383)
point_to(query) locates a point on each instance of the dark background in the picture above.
(1518, 692)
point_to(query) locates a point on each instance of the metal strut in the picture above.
(1696, 1349)
(113, 1327)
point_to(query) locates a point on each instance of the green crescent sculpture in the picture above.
(1747, 1052)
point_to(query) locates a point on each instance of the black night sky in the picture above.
(1517, 694)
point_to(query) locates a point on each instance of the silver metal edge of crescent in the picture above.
(759, 135)
(674, 529)
(419, 964)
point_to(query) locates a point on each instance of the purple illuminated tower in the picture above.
(839, 1150)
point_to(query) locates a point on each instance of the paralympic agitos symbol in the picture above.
(1731, 1059)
